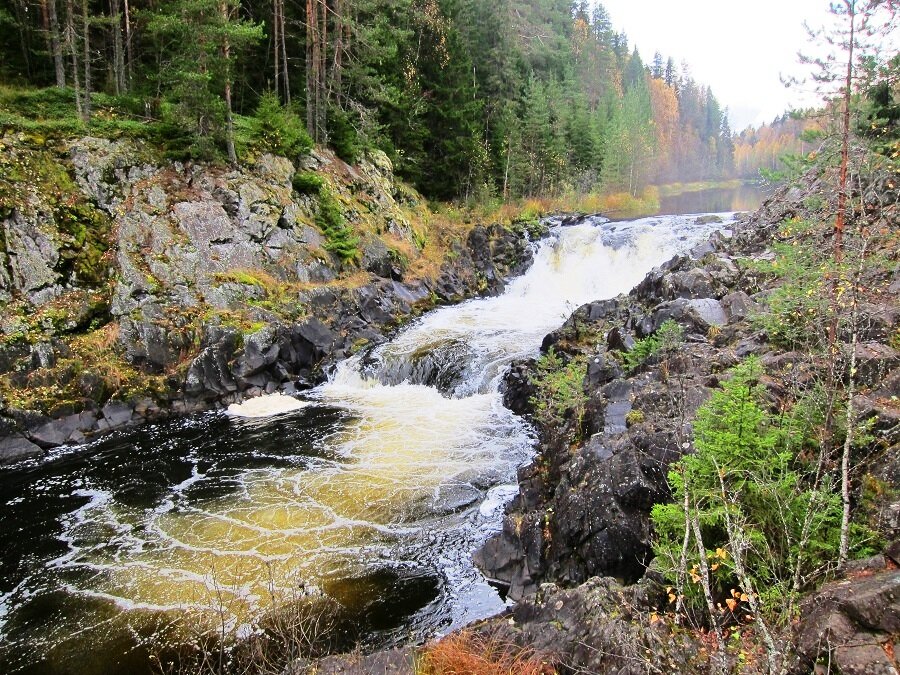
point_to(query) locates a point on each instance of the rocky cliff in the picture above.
(135, 287)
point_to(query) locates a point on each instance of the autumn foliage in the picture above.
(467, 653)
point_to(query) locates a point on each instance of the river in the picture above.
(375, 492)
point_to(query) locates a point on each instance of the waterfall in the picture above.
(401, 464)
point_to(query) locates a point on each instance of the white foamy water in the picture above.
(265, 406)
(380, 471)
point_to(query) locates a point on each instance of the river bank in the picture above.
(136, 288)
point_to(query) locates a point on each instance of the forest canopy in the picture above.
(468, 98)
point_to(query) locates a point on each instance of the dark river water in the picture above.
(373, 495)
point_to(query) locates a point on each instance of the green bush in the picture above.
(343, 136)
(798, 309)
(279, 129)
(746, 468)
(559, 391)
(340, 238)
(666, 339)
(308, 183)
(39, 104)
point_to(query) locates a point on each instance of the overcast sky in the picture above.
(737, 48)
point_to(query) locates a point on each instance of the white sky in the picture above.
(736, 48)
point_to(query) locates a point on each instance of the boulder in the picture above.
(312, 341)
(16, 448)
(601, 370)
(696, 316)
(849, 622)
(620, 340)
(738, 306)
(261, 350)
(209, 376)
(874, 361)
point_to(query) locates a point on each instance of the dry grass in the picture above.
(466, 653)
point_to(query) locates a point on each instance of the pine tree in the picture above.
(203, 38)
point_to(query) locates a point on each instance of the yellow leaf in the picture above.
(744, 597)
(672, 598)
(714, 567)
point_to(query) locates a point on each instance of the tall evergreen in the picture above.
(468, 98)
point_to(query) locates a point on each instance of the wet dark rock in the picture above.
(57, 432)
(261, 350)
(116, 414)
(620, 340)
(16, 448)
(312, 341)
(517, 388)
(601, 370)
(209, 375)
(849, 622)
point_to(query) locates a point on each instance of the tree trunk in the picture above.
(21, 10)
(739, 544)
(73, 53)
(312, 61)
(118, 48)
(276, 46)
(229, 122)
(86, 42)
(845, 139)
(128, 44)
(55, 45)
(717, 660)
(322, 69)
(850, 421)
(336, 84)
(284, 58)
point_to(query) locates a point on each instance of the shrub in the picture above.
(559, 391)
(308, 183)
(279, 129)
(751, 496)
(341, 240)
(468, 654)
(798, 309)
(666, 339)
(634, 417)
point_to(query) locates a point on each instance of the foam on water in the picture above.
(265, 406)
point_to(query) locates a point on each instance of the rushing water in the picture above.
(374, 490)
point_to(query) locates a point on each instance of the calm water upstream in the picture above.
(376, 493)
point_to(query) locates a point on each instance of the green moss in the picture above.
(244, 277)
(634, 417)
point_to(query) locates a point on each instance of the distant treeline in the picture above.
(468, 98)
